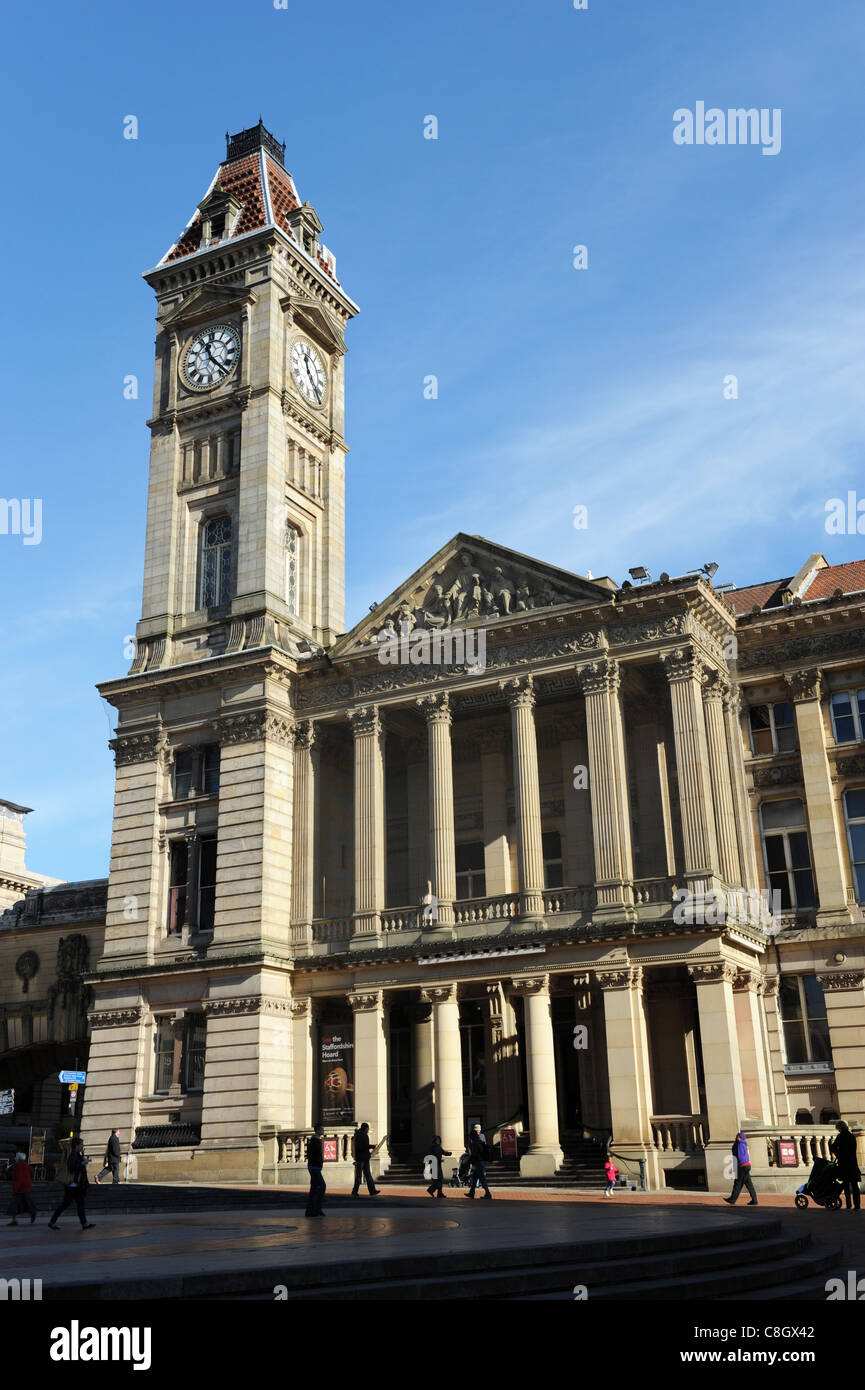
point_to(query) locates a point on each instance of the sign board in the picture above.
(7, 1102)
(509, 1143)
(331, 1150)
(73, 1078)
(37, 1148)
(787, 1153)
(336, 1070)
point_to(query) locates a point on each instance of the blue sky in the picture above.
(557, 387)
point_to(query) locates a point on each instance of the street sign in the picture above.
(509, 1143)
(73, 1078)
(7, 1102)
(330, 1149)
(787, 1153)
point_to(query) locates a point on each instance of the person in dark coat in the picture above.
(362, 1152)
(113, 1157)
(22, 1181)
(479, 1150)
(438, 1153)
(76, 1184)
(315, 1164)
(743, 1171)
(843, 1150)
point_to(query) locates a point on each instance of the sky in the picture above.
(605, 386)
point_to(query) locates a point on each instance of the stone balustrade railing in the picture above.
(679, 1133)
(569, 899)
(291, 1143)
(332, 929)
(812, 1141)
(401, 919)
(653, 890)
(497, 909)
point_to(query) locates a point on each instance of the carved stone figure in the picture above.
(502, 591)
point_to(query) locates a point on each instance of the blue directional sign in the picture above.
(73, 1078)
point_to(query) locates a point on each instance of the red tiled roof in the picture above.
(849, 578)
(754, 595)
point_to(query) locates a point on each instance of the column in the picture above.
(629, 1069)
(416, 757)
(827, 837)
(756, 1078)
(684, 671)
(579, 868)
(844, 992)
(497, 850)
(781, 1099)
(302, 1062)
(722, 1068)
(443, 874)
(369, 820)
(751, 877)
(655, 831)
(545, 1152)
(448, 1066)
(608, 788)
(527, 795)
(303, 859)
(370, 1067)
(423, 1078)
(504, 1082)
(714, 689)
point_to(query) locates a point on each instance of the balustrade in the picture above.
(681, 1133)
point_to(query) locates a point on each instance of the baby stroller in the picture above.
(462, 1174)
(823, 1186)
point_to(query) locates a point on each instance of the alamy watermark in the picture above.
(21, 516)
(736, 126)
(421, 646)
(750, 907)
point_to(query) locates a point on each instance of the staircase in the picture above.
(582, 1169)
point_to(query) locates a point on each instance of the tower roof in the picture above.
(256, 191)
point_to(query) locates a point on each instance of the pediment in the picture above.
(473, 582)
(204, 302)
(316, 321)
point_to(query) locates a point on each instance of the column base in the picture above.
(720, 1168)
(543, 1163)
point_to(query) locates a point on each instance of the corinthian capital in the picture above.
(715, 684)
(684, 664)
(365, 720)
(804, 685)
(519, 691)
(436, 707)
(366, 1001)
(305, 734)
(598, 677)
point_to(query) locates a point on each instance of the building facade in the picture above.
(504, 851)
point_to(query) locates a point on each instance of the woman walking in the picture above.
(843, 1150)
(76, 1184)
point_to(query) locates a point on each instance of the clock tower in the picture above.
(246, 507)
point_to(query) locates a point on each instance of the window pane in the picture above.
(799, 856)
(842, 718)
(780, 883)
(794, 1037)
(553, 874)
(857, 842)
(183, 773)
(776, 815)
(786, 738)
(804, 884)
(783, 714)
(860, 703)
(210, 768)
(854, 802)
(818, 1037)
(470, 856)
(815, 1004)
(759, 717)
(789, 1001)
(552, 843)
(860, 883)
(775, 853)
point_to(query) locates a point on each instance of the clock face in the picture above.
(210, 357)
(308, 371)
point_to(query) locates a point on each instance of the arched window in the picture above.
(216, 562)
(292, 568)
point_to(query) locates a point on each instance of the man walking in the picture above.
(480, 1152)
(22, 1182)
(76, 1183)
(743, 1171)
(362, 1151)
(315, 1164)
(843, 1150)
(437, 1153)
(112, 1158)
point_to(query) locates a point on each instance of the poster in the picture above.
(336, 1072)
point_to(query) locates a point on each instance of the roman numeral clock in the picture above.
(210, 357)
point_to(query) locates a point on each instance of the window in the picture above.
(786, 853)
(803, 1015)
(206, 883)
(773, 728)
(192, 1050)
(552, 846)
(471, 873)
(216, 564)
(178, 872)
(854, 813)
(848, 716)
(292, 566)
(196, 770)
(473, 1036)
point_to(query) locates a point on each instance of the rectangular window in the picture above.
(471, 873)
(552, 848)
(196, 770)
(192, 1063)
(848, 716)
(773, 728)
(854, 814)
(202, 884)
(178, 872)
(206, 883)
(163, 1045)
(803, 1015)
(216, 562)
(786, 852)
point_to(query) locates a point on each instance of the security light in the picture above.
(709, 569)
(639, 572)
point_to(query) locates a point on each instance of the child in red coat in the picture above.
(22, 1182)
(612, 1172)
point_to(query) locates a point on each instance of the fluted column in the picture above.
(608, 787)
(545, 1151)
(497, 853)
(527, 795)
(422, 1077)
(684, 672)
(443, 874)
(828, 846)
(303, 856)
(745, 829)
(369, 819)
(714, 689)
(722, 1068)
(370, 1065)
(448, 1065)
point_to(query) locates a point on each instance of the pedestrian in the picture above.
(76, 1183)
(113, 1156)
(437, 1153)
(362, 1151)
(480, 1152)
(315, 1164)
(742, 1158)
(612, 1173)
(22, 1182)
(843, 1150)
